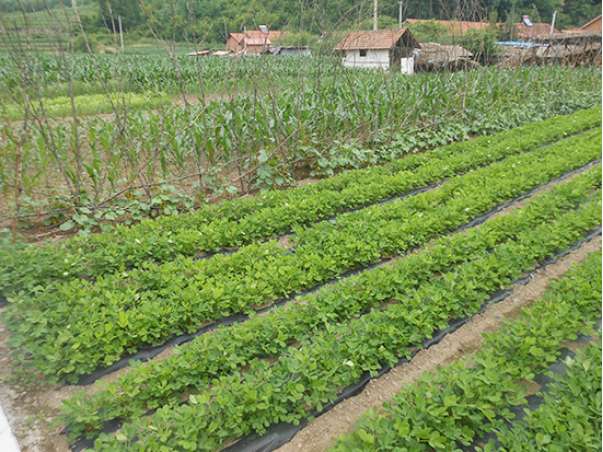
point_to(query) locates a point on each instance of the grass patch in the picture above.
(89, 104)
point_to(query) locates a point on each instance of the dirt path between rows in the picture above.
(321, 433)
(30, 411)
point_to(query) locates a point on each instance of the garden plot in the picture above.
(322, 432)
(333, 315)
(232, 224)
(88, 173)
(126, 312)
(504, 395)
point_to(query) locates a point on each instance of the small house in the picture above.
(436, 57)
(252, 42)
(592, 26)
(453, 27)
(526, 30)
(380, 49)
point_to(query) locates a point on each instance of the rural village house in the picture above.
(592, 26)
(461, 27)
(575, 46)
(379, 49)
(536, 30)
(454, 27)
(434, 57)
(252, 42)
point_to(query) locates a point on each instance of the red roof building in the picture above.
(378, 40)
(379, 49)
(252, 42)
(592, 26)
(454, 27)
(538, 29)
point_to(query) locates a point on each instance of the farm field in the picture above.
(257, 322)
(253, 227)
(480, 401)
(149, 136)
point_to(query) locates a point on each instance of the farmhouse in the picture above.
(434, 57)
(454, 27)
(379, 49)
(521, 30)
(252, 42)
(592, 26)
(535, 30)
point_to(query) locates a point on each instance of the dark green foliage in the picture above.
(120, 313)
(211, 20)
(307, 377)
(429, 32)
(453, 407)
(213, 355)
(570, 416)
(129, 10)
(482, 44)
(246, 220)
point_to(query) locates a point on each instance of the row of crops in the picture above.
(408, 249)
(61, 106)
(147, 305)
(243, 221)
(267, 139)
(476, 403)
(159, 72)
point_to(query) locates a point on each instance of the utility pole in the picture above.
(400, 13)
(79, 22)
(553, 22)
(375, 15)
(121, 33)
(112, 22)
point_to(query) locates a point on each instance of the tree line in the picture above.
(211, 20)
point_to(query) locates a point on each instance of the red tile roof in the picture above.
(380, 39)
(256, 37)
(537, 30)
(453, 26)
(237, 36)
(592, 25)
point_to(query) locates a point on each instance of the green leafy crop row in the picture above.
(83, 325)
(193, 366)
(307, 377)
(459, 404)
(570, 416)
(245, 220)
(89, 104)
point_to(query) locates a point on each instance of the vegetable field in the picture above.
(163, 144)
(244, 323)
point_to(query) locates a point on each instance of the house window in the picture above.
(363, 52)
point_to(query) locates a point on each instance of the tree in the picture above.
(129, 11)
(482, 44)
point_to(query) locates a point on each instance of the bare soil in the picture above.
(31, 411)
(322, 432)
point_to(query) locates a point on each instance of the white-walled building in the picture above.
(379, 49)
